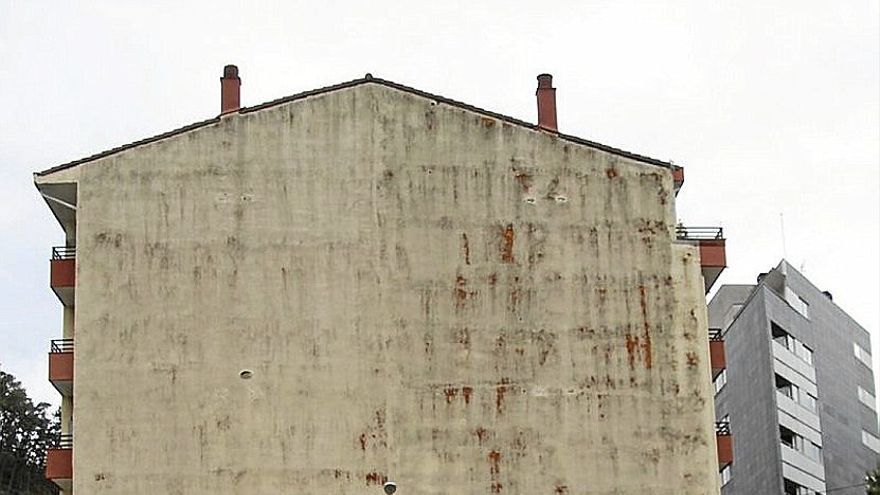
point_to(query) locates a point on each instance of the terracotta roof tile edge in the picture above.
(350, 84)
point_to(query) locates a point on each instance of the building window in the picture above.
(779, 334)
(867, 399)
(795, 346)
(792, 488)
(796, 442)
(793, 392)
(806, 354)
(720, 381)
(808, 401)
(871, 441)
(724, 474)
(812, 451)
(862, 355)
(787, 388)
(797, 303)
(788, 437)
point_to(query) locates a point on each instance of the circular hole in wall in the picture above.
(246, 374)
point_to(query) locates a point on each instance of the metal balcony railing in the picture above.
(63, 441)
(61, 345)
(699, 233)
(715, 335)
(63, 252)
(722, 428)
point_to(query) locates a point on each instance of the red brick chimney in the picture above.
(230, 90)
(546, 94)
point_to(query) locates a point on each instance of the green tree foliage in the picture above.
(873, 482)
(26, 431)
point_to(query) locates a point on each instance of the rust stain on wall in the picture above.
(632, 344)
(466, 393)
(450, 393)
(495, 471)
(507, 238)
(500, 391)
(461, 294)
(524, 179)
(646, 342)
(494, 463)
(465, 249)
(375, 434)
(481, 434)
(515, 294)
(375, 478)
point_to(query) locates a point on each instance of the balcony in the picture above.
(677, 178)
(783, 356)
(59, 462)
(724, 443)
(61, 366)
(716, 352)
(710, 240)
(62, 276)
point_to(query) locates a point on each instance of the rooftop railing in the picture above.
(61, 345)
(715, 335)
(698, 233)
(63, 252)
(722, 428)
(63, 441)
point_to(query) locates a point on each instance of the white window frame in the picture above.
(724, 475)
(720, 381)
(871, 441)
(867, 399)
(862, 355)
(797, 303)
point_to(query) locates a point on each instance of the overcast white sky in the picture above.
(771, 107)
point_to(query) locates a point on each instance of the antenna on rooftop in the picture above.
(782, 229)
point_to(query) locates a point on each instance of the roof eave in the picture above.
(350, 84)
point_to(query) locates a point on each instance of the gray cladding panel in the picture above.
(831, 333)
(749, 399)
(749, 396)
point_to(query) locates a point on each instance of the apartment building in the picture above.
(798, 390)
(368, 283)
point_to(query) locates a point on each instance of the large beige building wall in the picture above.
(422, 294)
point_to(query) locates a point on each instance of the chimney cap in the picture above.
(230, 71)
(545, 81)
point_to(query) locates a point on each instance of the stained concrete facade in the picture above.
(420, 291)
(833, 375)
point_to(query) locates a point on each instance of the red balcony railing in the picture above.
(724, 442)
(713, 256)
(59, 462)
(61, 366)
(716, 351)
(62, 273)
(677, 178)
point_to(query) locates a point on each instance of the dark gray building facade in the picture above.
(798, 389)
